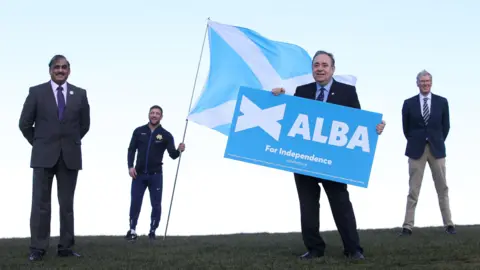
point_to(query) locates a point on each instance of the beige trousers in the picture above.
(416, 169)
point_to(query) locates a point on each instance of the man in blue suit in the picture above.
(426, 123)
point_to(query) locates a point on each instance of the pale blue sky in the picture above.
(131, 56)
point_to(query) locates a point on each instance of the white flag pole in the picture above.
(185, 131)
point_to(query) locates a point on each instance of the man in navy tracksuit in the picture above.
(150, 142)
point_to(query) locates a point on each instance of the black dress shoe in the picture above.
(67, 253)
(405, 232)
(35, 256)
(311, 255)
(451, 230)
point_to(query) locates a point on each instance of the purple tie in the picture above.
(61, 102)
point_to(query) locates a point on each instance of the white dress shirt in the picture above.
(422, 101)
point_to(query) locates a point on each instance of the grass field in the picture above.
(427, 248)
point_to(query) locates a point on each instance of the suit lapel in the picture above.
(416, 107)
(70, 99)
(433, 105)
(50, 99)
(333, 88)
(313, 90)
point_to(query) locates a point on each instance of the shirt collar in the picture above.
(429, 96)
(327, 87)
(55, 86)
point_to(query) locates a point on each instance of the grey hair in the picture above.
(327, 53)
(423, 73)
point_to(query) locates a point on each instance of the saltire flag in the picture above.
(242, 57)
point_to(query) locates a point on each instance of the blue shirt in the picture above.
(325, 92)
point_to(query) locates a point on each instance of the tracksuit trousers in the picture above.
(154, 183)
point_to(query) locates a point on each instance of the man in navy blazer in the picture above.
(426, 123)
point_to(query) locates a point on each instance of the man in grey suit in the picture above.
(54, 119)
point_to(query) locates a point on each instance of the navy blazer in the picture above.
(417, 133)
(340, 94)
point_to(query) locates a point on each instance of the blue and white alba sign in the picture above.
(303, 136)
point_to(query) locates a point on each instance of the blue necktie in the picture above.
(321, 96)
(61, 102)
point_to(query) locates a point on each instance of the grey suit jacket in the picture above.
(48, 135)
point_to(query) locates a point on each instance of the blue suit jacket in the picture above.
(417, 133)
